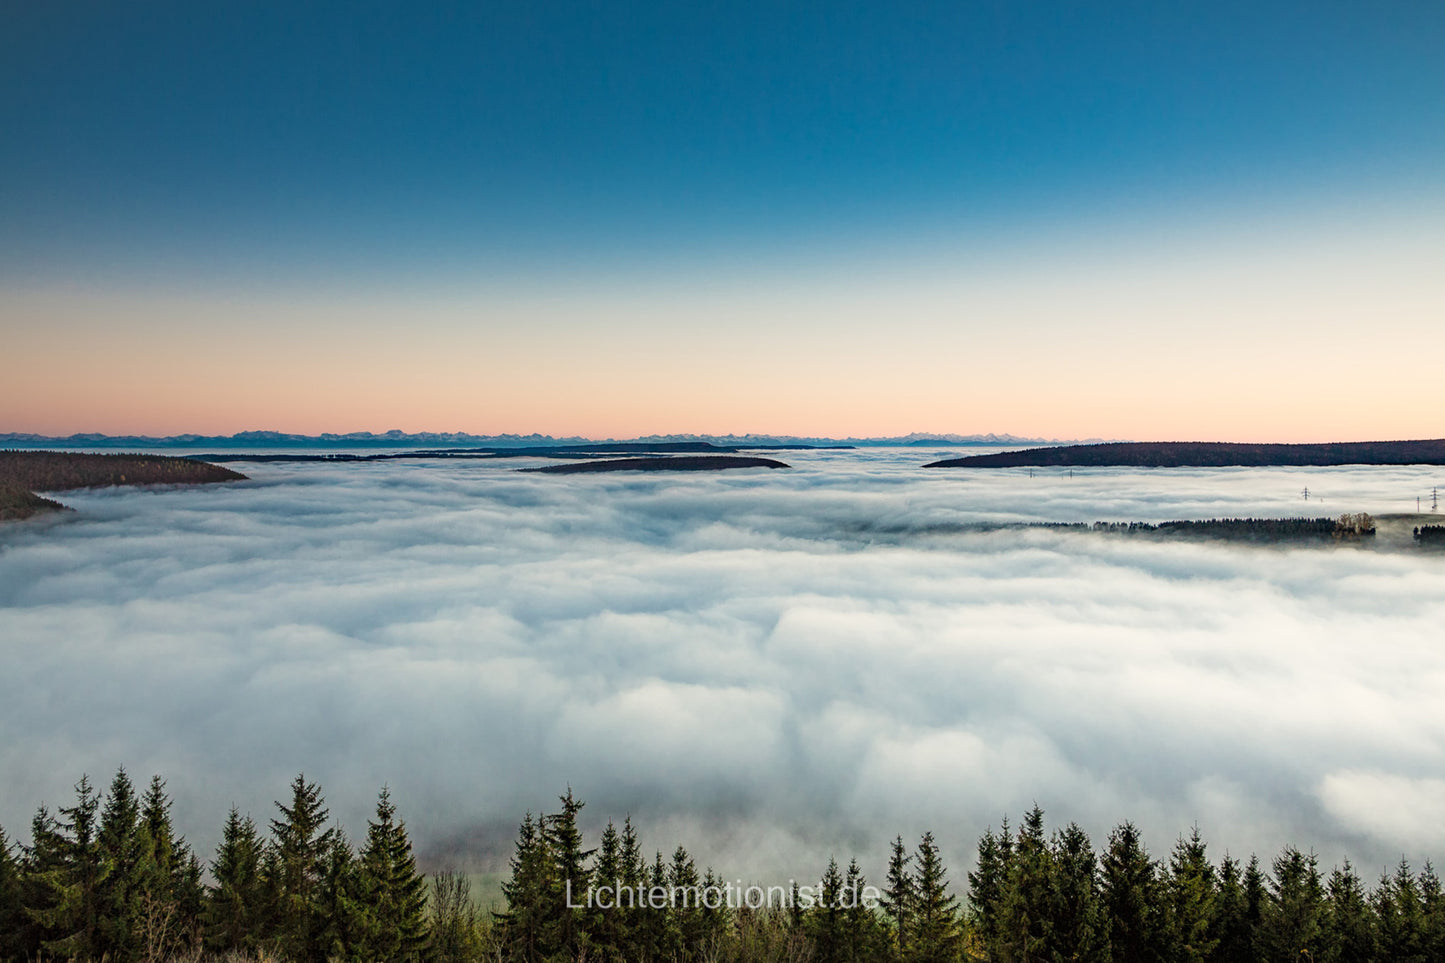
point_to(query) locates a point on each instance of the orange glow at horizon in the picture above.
(1293, 339)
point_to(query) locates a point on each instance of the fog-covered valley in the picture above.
(766, 666)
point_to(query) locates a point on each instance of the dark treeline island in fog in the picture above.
(1346, 527)
(667, 463)
(600, 451)
(1349, 527)
(107, 878)
(22, 473)
(1355, 529)
(1208, 454)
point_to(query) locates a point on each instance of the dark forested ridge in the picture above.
(22, 473)
(1357, 528)
(17, 503)
(107, 878)
(1208, 454)
(675, 463)
(1348, 527)
(51, 471)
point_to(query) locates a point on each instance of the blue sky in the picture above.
(865, 192)
(151, 137)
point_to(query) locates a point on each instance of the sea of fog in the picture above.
(766, 666)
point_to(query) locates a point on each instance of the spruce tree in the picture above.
(125, 846)
(572, 879)
(635, 917)
(1401, 917)
(68, 908)
(988, 883)
(190, 894)
(269, 897)
(171, 892)
(1025, 923)
(351, 905)
(303, 847)
(686, 930)
(523, 927)
(156, 817)
(43, 865)
(1432, 909)
(1255, 898)
(11, 908)
(344, 918)
(797, 914)
(605, 923)
(1349, 932)
(1292, 915)
(1232, 932)
(864, 939)
(716, 915)
(662, 937)
(1129, 889)
(391, 890)
(898, 899)
(235, 913)
(1190, 890)
(936, 936)
(1076, 924)
(824, 921)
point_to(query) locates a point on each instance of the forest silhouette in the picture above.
(108, 878)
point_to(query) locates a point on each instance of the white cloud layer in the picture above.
(766, 666)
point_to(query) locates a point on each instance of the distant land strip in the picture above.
(22, 473)
(1209, 454)
(601, 450)
(674, 463)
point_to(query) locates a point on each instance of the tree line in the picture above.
(1346, 526)
(108, 878)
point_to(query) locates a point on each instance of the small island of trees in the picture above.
(1347, 527)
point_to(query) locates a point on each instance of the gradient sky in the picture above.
(1185, 220)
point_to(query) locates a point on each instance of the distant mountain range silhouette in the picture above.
(428, 439)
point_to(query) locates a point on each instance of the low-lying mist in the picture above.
(769, 667)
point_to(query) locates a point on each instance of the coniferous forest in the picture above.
(108, 878)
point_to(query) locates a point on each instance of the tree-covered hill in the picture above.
(53, 471)
(1208, 454)
(22, 473)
